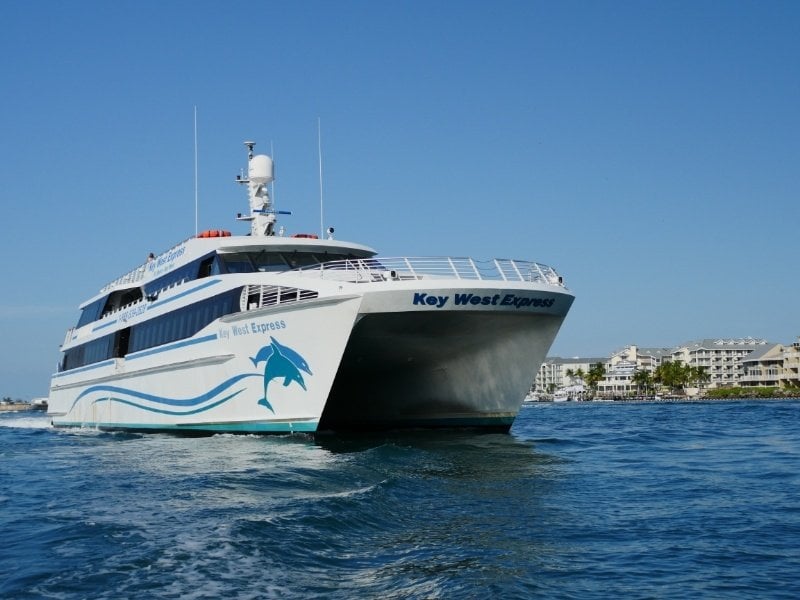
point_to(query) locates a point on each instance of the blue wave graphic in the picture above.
(194, 405)
(171, 412)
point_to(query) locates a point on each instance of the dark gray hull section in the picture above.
(437, 370)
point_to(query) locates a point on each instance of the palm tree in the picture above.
(699, 376)
(574, 376)
(596, 373)
(673, 374)
(642, 379)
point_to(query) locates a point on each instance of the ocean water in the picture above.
(580, 500)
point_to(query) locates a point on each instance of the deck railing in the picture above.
(415, 268)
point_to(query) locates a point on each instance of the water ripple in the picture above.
(580, 501)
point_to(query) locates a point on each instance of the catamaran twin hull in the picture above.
(399, 354)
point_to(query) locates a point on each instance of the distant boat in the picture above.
(266, 333)
(572, 392)
(39, 404)
(532, 397)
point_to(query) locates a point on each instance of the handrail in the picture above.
(137, 274)
(409, 268)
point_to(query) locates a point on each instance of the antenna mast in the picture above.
(319, 150)
(259, 175)
(195, 172)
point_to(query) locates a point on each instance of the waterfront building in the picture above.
(552, 374)
(790, 375)
(623, 364)
(729, 362)
(721, 357)
(763, 367)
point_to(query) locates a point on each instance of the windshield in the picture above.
(251, 262)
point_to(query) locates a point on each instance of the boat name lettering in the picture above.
(132, 312)
(164, 259)
(257, 327)
(471, 299)
(522, 302)
(421, 298)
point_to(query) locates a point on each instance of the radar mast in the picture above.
(260, 173)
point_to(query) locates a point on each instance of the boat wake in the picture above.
(17, 421)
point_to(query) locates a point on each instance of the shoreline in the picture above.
(21, 407)
(672, 399)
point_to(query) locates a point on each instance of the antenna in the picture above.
(319, 150)
(272, 183)
(195, 172)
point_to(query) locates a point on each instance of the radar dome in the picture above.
(260, 169)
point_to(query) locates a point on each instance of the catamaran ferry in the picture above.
(269, 332)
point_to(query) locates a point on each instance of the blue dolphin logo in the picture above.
(281, 362)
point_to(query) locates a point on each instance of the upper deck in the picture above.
(195, 247)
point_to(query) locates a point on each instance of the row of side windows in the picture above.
(88, 353)
(183, 323)
(197, 269)
(177, 325)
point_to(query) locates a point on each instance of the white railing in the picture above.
(410, 268)
(259, 296)
(134, 276)
(137, 274)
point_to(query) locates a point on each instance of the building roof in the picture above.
(655, 352)
(722, 344)
(760, 353)
(557, 360)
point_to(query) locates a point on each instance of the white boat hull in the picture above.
(383, 358)
(209, 383)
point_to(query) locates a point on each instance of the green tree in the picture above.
(642, 379)
(577, 374)
(700, 376)
(673, 375)
(596, 373)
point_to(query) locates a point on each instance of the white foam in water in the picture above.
(40, 421)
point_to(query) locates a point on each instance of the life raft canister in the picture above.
(307, 236)
(212, 233)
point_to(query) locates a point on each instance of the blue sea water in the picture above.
(580, 500)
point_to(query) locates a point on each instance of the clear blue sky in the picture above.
(649, 151)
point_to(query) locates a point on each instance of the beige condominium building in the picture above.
(790, 376)
(721, 357)
(553, 375)
(729, 362)
(622, 365)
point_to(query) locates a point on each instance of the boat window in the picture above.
(184, 322)
(202, 267)
(248, 262)
(238, 262)
(88, 353)
(176, 325)
(120, 298)
(208, 266)
(91, 312)
(300, 259)
(269, 261)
